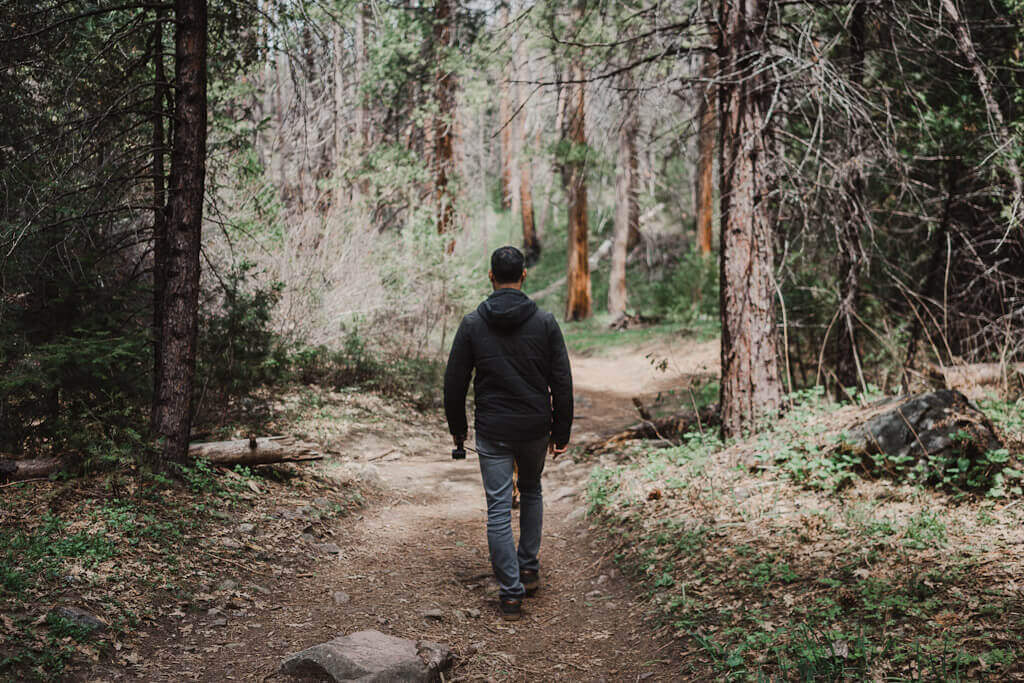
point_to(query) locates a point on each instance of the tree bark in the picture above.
(159, 208)
(627, 205)
(751, 389)
(444, 18)
(578, 303)
(531, 239)
(504, 111)
(19, 470)
(531, 243)
(704, 199)
(180, 300)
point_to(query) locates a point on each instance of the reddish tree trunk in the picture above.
(751, 389)
(443, 134)
(704, 199)
(180, 300)
(578, 304)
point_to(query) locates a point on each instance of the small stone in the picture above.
(330, 548)
(308, 538)
(578, 513)
(80, 617)
(214, 612)
(219, 622)
(562, 494)
(473, 613)
(227, 585)
(594, 594)
(369, 474)
(340, 597)
(603, 579)
(261, 590)
(246, 528)
(228, 542)
(435, 614)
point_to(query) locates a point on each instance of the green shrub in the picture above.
(238, 349)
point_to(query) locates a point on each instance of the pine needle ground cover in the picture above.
(769, 561)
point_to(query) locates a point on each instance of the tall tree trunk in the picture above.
(362, 113)
(444, 18)
(578, 304)
(627, 205)
(159, 208)
(751, 389)
(180, 301)
(338, 102)
(504, 111)
(531, 240)
(848, 233)
(363, 122)
(704, 196)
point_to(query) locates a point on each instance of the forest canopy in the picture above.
(856, 166)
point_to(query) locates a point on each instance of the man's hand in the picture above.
(458, 439)
(555, 450)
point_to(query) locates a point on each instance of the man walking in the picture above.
(523, 394)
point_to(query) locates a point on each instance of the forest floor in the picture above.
(658, 563)
(294, 565)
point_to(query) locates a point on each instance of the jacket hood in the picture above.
(506, 309)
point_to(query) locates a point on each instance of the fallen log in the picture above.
(255, 451)
(37, 468)
(669, 429)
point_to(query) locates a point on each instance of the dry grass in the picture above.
(761, 576)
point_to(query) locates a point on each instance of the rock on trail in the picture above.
(370, 656)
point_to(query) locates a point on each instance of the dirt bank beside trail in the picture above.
(415, 564)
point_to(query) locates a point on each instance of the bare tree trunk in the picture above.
(751, 389)
(362, 115)
(531, 240)
(531, 243)
(704, 199)
(444, 19)
(848, 234)
(578, 304)
(338, 100)
(159, 207)
(504, 111)
(180, 301)
(627, 206)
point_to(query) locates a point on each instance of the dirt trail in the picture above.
(416, 564)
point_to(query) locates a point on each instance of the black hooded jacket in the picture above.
(523, 384)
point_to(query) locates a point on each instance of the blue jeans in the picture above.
(496, 458)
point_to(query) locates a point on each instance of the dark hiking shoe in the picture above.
(511, 609)
(530, 579)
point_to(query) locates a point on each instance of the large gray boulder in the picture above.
(370, 657)
(937, 423)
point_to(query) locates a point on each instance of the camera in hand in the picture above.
(459, 453)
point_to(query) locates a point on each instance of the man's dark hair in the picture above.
(507, 265)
